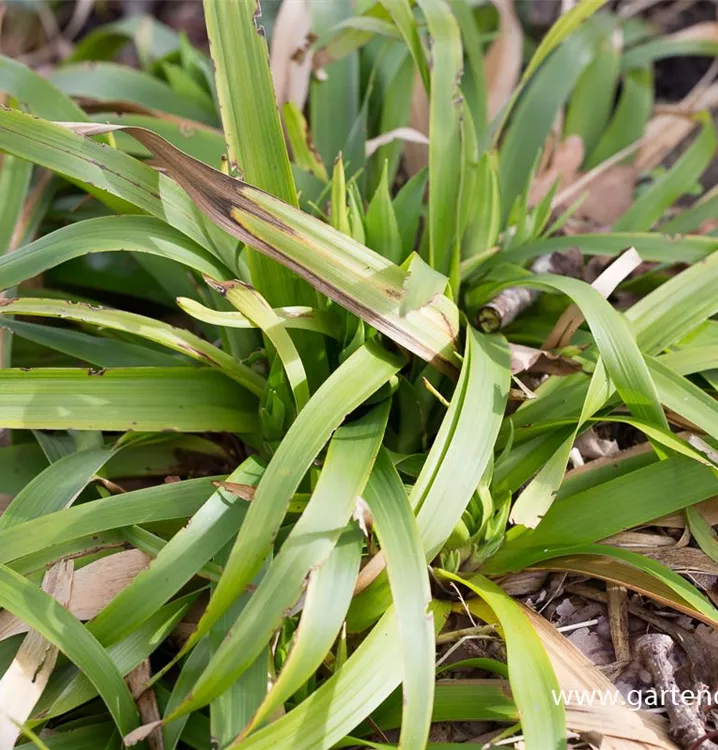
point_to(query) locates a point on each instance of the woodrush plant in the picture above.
(348, 451)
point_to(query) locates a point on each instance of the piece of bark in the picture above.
(146, 705)
(687, 725)
(618, 619)
(511, 302)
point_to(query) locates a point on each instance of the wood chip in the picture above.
(146, 705)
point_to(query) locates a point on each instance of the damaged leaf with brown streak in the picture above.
(351, 274)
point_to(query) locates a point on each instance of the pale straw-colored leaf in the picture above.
(25, 679)
(290, 57)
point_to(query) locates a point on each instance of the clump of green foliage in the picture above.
(297, 342)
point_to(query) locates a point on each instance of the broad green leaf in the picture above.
(702, 532)
(104, 81)
(408, 205)
(665, 315)
(104, 42)
(369, 676)
(474, 87)
(635, 106)
(616, 343)
(536, 110)
(230, 711)
(350, 385)
(456, 462)
(139, 325)
(422, 284)
(590, 105)
(637, 572)
(401, 545)
(394, 70)
(459, 700)
(382, 230)
(29, 87)
(565, 26)
(348, 464)
(60, 150)
(144, 399)
(461, 452)
(191, 669)
(178, 500)
(70, 687)
(685, 398)
(49, 618)
(659, 49)
(609, 508)
(88, 737)
(56, 487)
(335, 101)
(533, 682)
(445, 107)
(485, 224)
(692, 217)
(101, 352)
(327, 599)
(252, 127)
(300, 140)
(15, 177)
(208, 531)
(403, 18)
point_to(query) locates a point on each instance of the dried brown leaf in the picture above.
(94, 586)
(416, 155)
(502, 64)
(609, 196)
(563, 166)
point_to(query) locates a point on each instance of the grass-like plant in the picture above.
(352, 473)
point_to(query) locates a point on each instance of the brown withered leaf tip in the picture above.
(244, 491)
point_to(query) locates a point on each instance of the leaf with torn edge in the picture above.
(421, 284)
